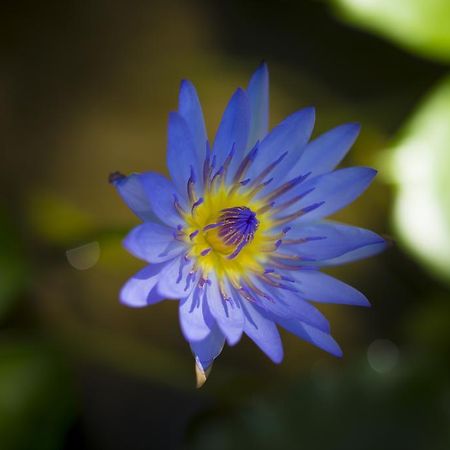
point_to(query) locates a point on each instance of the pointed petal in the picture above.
(161, 194)
(153, 242)
(310, 334)
(258, 93)
(227, 313)
(175, 282)
(208, 349)
(139, 290)
(190, 109)
(324, 153)
(182, 156)
(326, 240)
(263, 332)
(332, 192)
(355, 255)
(201, 375)
(289, 304)
(233, 129)
(196, 322)
(133, 193)
(323, 288)
(290, 136)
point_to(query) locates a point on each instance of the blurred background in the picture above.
(85, 89)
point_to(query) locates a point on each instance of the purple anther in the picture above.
(115, 177)
(238, 228)
(193, 234)
(197, 203)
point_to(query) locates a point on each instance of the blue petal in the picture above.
(326, 240)
(227, 313)
(322, 288)
(190, 109)
(233, 129)
(324, 153)
(140, 290)
(288, 304)
(330, 192)
(355, 255)
(208, 349)
(153, 243)
(310, 334)
(195, 320)
(263, 332)
(300, 309)
(182, 157)
(133, 193)
(175, 282)
(290, 136)
(161, 193)
(258, 93)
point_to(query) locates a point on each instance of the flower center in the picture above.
(220, 236)
(237, 227)
(228, 239)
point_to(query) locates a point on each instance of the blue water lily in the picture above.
(238, 234)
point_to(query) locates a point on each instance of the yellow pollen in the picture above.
(252, 256)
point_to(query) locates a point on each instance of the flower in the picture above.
(238, 236)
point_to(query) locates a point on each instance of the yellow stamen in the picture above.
(252, 256)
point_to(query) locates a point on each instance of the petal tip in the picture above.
(185, 84)
(232, 340)
(364, 302)
(240, 93)
(371, 174)
(307, 114)
(201, 374)
(125, 300)
(310, 115)
(335, 349)
(116, 177)
(278, 359)
(362, 172)
(352, 130)
(263, 68)
(187, 91)
(310, 110)
(357, 126)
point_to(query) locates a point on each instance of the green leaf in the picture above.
(35, 401)
(420, 166)
(57, 220)
(13, 272)
(421, 26)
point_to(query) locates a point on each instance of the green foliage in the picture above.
(12, 266)
(57, 220)
(35, 405)
(422, 26)
(354, 409)
(420, 163)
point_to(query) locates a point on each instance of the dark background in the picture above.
(85, 89)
